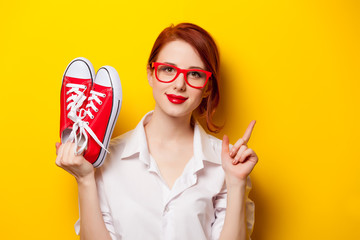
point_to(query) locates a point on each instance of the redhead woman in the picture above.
(167, 178)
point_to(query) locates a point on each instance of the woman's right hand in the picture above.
(76, 165)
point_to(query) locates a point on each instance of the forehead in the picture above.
(180, 53)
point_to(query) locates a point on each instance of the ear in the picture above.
(150, 75)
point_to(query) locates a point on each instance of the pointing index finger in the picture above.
(248, 131)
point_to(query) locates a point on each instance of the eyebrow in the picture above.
(191, 67)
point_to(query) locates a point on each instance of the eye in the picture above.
(167, 69)
(195, 74)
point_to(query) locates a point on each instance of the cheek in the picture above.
(198, 96)
(158, 89)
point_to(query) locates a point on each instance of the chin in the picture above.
(174, 110)
(177, 112)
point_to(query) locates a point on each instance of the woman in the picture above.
(167, 178)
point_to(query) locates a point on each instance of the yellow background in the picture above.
(293, 66)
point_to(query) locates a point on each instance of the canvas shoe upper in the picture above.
(97, 120)
(76, 85)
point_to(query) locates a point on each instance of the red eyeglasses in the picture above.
(167, 73)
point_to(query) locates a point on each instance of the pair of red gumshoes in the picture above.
(90, 107)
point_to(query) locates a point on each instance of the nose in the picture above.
(180, 82)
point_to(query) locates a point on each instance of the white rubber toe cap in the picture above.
(80, 68)
(108, 76)
(103, 78)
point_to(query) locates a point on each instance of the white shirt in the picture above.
(137, 204)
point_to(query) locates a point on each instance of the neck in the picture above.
(164, 128)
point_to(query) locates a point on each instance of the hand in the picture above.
(240, 161)
(76, 165)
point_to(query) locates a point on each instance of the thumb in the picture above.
(225, 145)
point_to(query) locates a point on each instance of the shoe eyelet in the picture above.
(92, 117)
(87, 123)
(104, 95)
(96, 110)
(100, 102)
(85, 87)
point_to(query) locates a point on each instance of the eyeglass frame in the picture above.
(180, 70)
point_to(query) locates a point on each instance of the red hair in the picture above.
(206, 47)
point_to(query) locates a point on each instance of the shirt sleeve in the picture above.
(104, 207)
(220, 211)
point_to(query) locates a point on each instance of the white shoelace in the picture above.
(94, 96)
(76, 99)
(83, 127)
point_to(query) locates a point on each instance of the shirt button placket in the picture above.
(165, 222)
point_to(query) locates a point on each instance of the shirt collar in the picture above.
(203, 147)
(137, 144)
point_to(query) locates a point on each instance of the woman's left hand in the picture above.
(240, 161)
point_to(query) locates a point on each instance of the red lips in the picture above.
(176, 99)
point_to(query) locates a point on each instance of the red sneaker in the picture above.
(97, 120)
(76, 85)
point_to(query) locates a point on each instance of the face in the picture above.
(177, 99)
